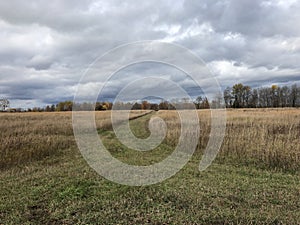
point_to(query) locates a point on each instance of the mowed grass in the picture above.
(250, 182)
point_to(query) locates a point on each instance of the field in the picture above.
(255, 178)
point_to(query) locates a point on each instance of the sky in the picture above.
(47, 46)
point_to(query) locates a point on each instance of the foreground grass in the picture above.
(66, 191)
(62, 189)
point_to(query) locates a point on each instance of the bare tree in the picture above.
(228, 97)
(294, 95)
(4, 104)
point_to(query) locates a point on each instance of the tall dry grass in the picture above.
(268, 137)
(29, 136)
(173, 123)
(262, 137)
(26, 137)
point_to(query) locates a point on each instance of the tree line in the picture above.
(68, 106)
(243, 96)
(101, 106)
(237, 96)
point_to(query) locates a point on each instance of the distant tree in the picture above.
(48, 108)
(205, 104)
(254, 98)
(154, 106)
(64, 106)
(246, 96)
(237, 92)
(136, 106)
(263, 97)
(275, 95)
(37, 109)
(52, 109)
(164, 105)
(99, 106)
(294, 95)
(104, 107)
(60, 106)
(228, 97)
(145, 105)
(198, 102)
(107, 105)
(241, 95)
(4, 104)
(284, 96)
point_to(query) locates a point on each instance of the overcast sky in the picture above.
(45, 46)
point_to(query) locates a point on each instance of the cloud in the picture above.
(47, 46)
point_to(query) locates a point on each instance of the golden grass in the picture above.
(30, 136)
(264, 137)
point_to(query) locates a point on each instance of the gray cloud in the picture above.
(46, 46)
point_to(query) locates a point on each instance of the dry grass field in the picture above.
(254, 179)
(265, 137)
(26, 137)
(268, 138)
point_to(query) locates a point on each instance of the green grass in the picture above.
(140, 129)
(63, 189)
